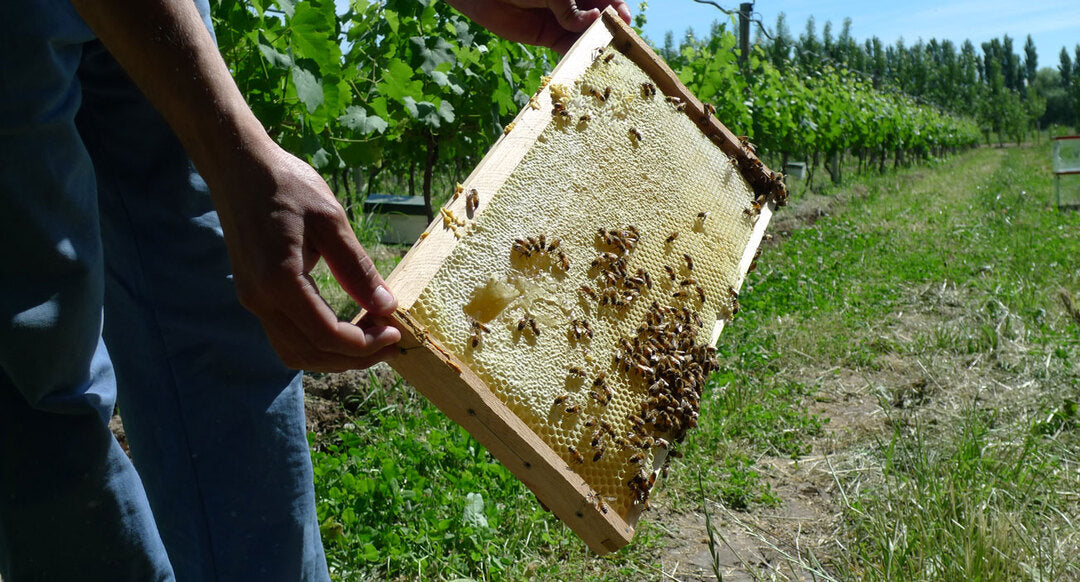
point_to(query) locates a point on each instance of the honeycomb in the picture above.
(586, 292)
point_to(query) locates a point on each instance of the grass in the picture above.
(934, 295)
(404, 492)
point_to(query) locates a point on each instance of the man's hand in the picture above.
(552, 23)
(279, 218)
(278, 215)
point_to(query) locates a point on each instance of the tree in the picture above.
(1031, 61)
(1065, 69)
(780, 48)
(668, 52)
(808, 51)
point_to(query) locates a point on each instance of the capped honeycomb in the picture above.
(586, 292)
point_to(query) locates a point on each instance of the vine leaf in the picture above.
(428, 113)
(357, 119)
(397, 81)
(432, 52)
(276, 58)
(308, 88)
(314, 35)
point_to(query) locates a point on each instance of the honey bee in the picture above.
(577, 371)
(585, 118)
(635, 420)
(599, 455)
(608, 58)
(680, 294)
(476, 339)
(596, 436)
(573, 409)
(535, 328)
(600, 380)
(671, 237)
(746, 144)
(480, 326)
(688, 282)
(689, 262)
(541, 242)
(670, 272)
(564, 262)
(636, 458)
(701, 293)
(522, 323)
(663, 444)
(590, 421)
(673, 100)
(648, 89)
(561, 398)
(709, 110)
(734, 300)
(645, 275)
(590, 292)
(634, 132)
(597, 94)
(703, 215)
(607, 93)
(472, 200)
(607, 427)
(575, 454)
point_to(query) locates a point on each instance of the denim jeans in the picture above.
(115, 288)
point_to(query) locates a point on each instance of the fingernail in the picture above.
(382, 300)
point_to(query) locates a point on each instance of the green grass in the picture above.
(405, 492)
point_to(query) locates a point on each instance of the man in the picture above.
(115, 284)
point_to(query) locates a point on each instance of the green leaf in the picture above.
(397, 81)
(308, 88)
(276, 59)
(392, 20)
(358, 120)
(287, 6)
(446, 112)
(428, 113)
(315, 35)
(474, 511)
(432, 52)
(443, 80)
(378, 105)
(371, 554)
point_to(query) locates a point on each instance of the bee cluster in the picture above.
(533, 245)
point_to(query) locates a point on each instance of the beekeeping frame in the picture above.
(439, 373)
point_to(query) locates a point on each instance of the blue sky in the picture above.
(1052, 24)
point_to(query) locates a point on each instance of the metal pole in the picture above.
(744, 33)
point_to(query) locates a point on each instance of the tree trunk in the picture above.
(412, 177)
(429, 170)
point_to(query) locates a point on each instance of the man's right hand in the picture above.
(279, 218)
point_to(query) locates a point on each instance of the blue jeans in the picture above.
(115, 288)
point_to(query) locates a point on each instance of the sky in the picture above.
(1052, 24)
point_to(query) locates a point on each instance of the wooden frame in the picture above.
(455, 389)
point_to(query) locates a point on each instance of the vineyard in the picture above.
(408, 95)
(897, 399)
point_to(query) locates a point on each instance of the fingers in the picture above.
(570, 17)
(354, 270)
(308, 336)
